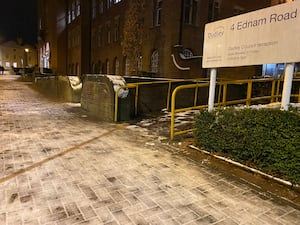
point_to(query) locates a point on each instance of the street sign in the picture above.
(270, 35)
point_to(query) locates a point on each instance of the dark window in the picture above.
(190, 11)
(214, 10)
(157, 12)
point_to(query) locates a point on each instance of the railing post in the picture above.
(136, 100)
(273, 90)
(169, 95)
(116, 104)
(196, 96)
(249, 93)
(224, 94)
(172, 127)
(219, 94)
(277, 90)
(299, 96)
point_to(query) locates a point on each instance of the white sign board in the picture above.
(270, 35)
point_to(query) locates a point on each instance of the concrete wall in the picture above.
(65, 88)
(98, 97)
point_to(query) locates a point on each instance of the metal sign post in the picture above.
(287, 86)
(212, 89)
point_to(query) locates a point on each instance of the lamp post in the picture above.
(26, 51)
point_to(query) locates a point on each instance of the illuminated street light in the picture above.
(26, 57)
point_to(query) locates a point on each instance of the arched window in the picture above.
(154, 61)
(93, 67)
(72, 70)
(107, 66)
(116, 66)
(77, 70)
(126, 66)
(157, 12)
(100, 67)
(191, 11)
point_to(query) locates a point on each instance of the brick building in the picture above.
(17, 55)
(88, 36)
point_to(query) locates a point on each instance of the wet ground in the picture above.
(57, 166)
(159, 126)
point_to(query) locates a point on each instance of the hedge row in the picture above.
(267, 139)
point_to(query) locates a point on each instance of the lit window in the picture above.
(154, 61)
(190, 11)
(69, 16)
(157, 13)
(117, 1)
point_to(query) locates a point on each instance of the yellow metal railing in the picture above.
(138, 84)
(222, 97)
(174, 110)
(249, 98)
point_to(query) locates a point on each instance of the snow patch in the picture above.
(75, 82)
(119, 81)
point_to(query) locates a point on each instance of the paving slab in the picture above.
(59, 167)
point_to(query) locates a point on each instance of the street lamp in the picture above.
(26, 57)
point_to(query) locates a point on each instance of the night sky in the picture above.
(18, 18)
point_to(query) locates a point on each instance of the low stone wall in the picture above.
(98, 97)
(65, 88)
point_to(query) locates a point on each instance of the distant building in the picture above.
(15, 55)
(89, 36)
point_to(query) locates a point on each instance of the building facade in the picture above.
(17, 55)
(158, 38)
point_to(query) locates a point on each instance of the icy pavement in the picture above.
(59, 167)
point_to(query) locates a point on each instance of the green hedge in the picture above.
(267, 139)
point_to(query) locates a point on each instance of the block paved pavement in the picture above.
(58, 167)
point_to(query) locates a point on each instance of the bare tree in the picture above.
(133, 33)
